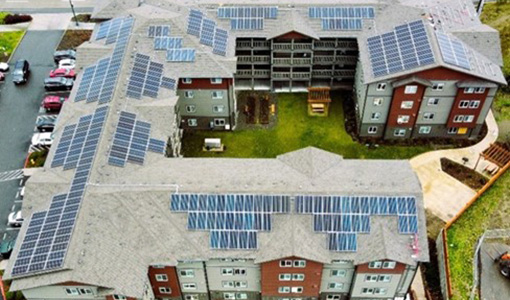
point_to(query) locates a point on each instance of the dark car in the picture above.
(6, 248)
(61, 54)
(45, 124)
(58, 84)
(21, 72)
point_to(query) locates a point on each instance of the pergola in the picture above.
(318, 101)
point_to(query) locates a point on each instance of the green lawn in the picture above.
(8, 42)
(3, 14)
(295, 130)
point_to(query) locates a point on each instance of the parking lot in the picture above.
(20, 106)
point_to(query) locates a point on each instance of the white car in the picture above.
(22, 192)
(66, 64)
(15, 218)
(42, 139)
(4, 67)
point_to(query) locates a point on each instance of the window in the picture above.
(165, 290)
(458, 119)
(191, 297)
(217, 95)
(453, 130)
(339, 262)
(378, 101)
(216, 80)
(428, 116)
(433, 101)
(411, 89)
(375, 265)
(191, 108)
(187, 273)
(284, 290)
(381, 86)
(335, 285)
(189, 286)
(425, 129)
(406, 104)
(219, 122)
(474, 104)
(333, 297)
(285, 277)
(186, 80)
(227, 284)
(72, 291)
(339, 273)
(85, 291)
(376, 116)
(161, 277)
(285, 263)
(240, 284)
(367, 291)
(218, 108)
(403, 119)
(298, 277)
(297, 289)
(463, 104)
(372, 129)
(370, 278)
(389, 265)
(380, 291)
(438, 86)
(241, 296)
(479, 90)
(229, 295)
(469, 118)
(399, 132)
(384, 278)
(299, 263)
(227, 271)
(188, 94)
(119, 297)
(469, 90)
(192, 122)
(239, 271)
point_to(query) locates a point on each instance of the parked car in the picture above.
(46, 124)
(21, 72)
(69, 73)
(15, 218)
(6, 248)
(22, 192)
(4, 67)
(2, 76)
(42, 139)
(53, 102)
(66, 64)
(58, 84)
(63, 54)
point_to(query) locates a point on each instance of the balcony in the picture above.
(253, 74)
(253, 59)
(281, 75)
(290, 46)
(261, 44)
(322, 73)
(324, 44)
(282, 61)
(347, 60)
(244, 74)
(323, 59)
(301, 61)
(282, 46)
(344, 73)
(302, 46)
(292, 61)
(347, 45)
(243, 44)
(300, 75)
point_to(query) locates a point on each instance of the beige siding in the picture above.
(216, 279)
(59, 292)
(198, 277)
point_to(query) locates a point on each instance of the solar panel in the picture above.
(342, 24)
(266, 12)
(157, 146)
(168, 83)
(225, 239)
(341, 12)
(145, 78)
(453, 51)
(207, 32)
(103, 30)
(195, 22)
(180, 55)
(220, 42)
(247, 23)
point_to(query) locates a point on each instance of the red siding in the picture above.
(456, 110)
(291, 35)
(73, 283)
(399, 269)
(172, 283)
(270, 278)
(204, 84)
(399, 96)
(444, 74)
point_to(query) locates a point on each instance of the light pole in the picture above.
(74, 14)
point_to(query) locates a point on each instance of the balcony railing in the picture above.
(281, 75)
(253, 74)
(282, 46)
(322, 73)
(261, 44)
(282, 61)
(302, 46)
(323, 59)
(300, 75)
(347, 45)
(344, 73)
(325, 44)
(348, 60)
(244, 73)
(243, 44)
(253, 59)
(301, 61)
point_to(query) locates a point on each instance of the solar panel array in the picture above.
(99, 80)
(234, 219)
(343, 217)
(453, 51)
(181, 55)
(46, 240)
(145, 77)
(165, 43)
(207, 31)
(132, 140)
(405, 48)
(158, 31)
(247, 18)
(341, 18)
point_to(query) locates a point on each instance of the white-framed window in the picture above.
(453, 130)
(217, 94)
(284, 289)
(227, 284)
(191, 297)
(367, 291)
(296, 289)
(192, 122)
(285, 263)
(433, 101)
(189, 286)
(411, 89)
(187, 273)
(384, 278)
(165, 290)
(85, 291)
(474, 104)
(438, 86)
(186, 80)
(299, 263)
(464, 104)
(339, 273)
(406, 104)
(285, 277)
(375, 264)
(403, 119)
(191, 108)
(479, 90)
(371, 278)
(335, 285)
(218, 108)
(216, 80)
(380, 291)
(428, 116)
(227, 271)
(375, 116)
(119, 297)
(372, 129)
(469, 90)
(229, 296)
(72, 291)
(381, 86)
(240, 284)
(298, 277)
(161, 277)
(333, 297)
(239, 271)
(458, 119)
(399, 132)
(189, 94)
(339, 262)
(469, 118)
(378, 101)
(389, 265)
(241, 296)
(425, 129)
(219, 122)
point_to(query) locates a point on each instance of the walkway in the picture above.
(443, 195)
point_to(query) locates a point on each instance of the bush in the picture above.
(37, 159)
(14, 19)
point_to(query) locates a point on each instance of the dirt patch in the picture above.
(264, 110)
(463, 174)
(249, 110)
(74, 38)
(430, 273)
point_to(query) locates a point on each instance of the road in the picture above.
(19, 108)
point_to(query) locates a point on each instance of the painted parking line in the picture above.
(18, 201)
(13, 228)
(5, 235)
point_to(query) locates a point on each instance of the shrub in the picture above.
(14, 19)
(37, 159)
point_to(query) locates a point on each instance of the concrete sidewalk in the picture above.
(443, 195)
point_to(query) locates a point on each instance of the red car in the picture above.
(53, 102)
(68, 73)
(2, 76)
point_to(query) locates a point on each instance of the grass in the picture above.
(74, 38)
(3, 14)
(294, 130)
(8, 42)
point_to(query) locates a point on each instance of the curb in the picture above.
(16, 48)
